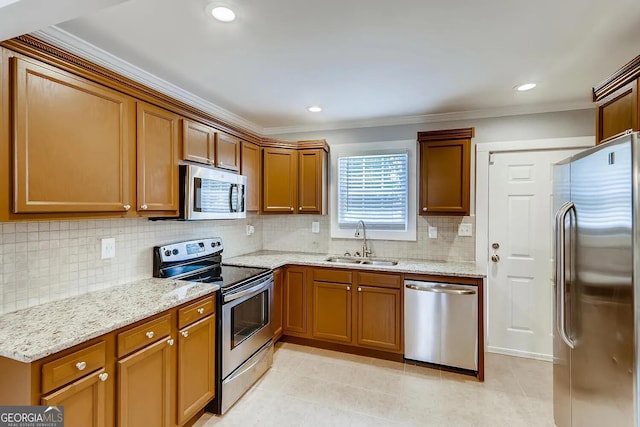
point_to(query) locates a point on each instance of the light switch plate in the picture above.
(108, 248)
(465, 230)
(315, 227)
(433, 232)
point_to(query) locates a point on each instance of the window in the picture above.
(374, 189)
(374, 182)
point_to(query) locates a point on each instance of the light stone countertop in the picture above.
(275, 259)
(36, 332)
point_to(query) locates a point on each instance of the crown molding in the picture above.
(77, 46)
(432, 118)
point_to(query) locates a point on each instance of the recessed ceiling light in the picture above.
(525, 87)
(314, 109)
(223, 14)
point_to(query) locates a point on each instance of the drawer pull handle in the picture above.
(170, 341)
(185, 333)
(200, 310)
(103, 376)
(81, 366)
(149, 334)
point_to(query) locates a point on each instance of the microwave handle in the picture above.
(231, 197)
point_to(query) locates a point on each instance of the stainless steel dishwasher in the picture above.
(441, 323)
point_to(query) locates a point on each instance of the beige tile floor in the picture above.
(313, 387)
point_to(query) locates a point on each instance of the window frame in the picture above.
(375, 148)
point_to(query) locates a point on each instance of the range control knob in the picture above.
(175, 252)
(213, 244)
(167, 253)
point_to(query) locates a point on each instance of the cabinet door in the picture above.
(84, 401)
(445, 177)
(72, 142)
(279, 180)
(144, 387)
(296, 301)
(332, 311)
(227, 152)
(157, 143)
(379, 318)
(310, 181)
(197, 142)
(618, 112)
(276, 309)
(251, 168)
(196, 367)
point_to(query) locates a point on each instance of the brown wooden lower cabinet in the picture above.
(352, 307)
(296, 302)
(196, 367)
(144, 387)
(332, 311)
(84, 401)
(379, 318)
(276, 317)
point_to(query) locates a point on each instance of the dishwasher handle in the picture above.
(441, 289)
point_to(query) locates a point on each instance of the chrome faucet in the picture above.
(366, 252)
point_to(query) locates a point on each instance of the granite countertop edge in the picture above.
(32, 333)
(276, 259)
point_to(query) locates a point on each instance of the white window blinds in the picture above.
(373, 189)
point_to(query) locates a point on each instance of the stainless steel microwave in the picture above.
(208, 193)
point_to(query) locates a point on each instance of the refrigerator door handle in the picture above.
(561, 284)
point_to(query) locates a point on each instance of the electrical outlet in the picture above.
(250, 230)
(315, 227)
(465, 230)
(433, 232)
(108, 248)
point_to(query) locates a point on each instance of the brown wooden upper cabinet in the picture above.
(73, 143)
(204, 144)
(445, 163)
(617, 102)
(294, 181)
(158, 154)
(251, 167)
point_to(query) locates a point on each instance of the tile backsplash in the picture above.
(50, 260)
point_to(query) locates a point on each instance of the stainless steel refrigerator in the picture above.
(597, 260)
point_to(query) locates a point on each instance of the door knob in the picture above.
(495, 246)
(495, 258)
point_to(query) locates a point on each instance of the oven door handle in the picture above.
(256, 289)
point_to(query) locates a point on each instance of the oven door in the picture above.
(246, 323)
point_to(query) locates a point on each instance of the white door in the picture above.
(520, 279)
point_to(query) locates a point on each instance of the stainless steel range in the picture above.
(244, 349)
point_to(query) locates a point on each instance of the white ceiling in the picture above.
(372, 59)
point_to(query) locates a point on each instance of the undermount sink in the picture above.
(362, 261)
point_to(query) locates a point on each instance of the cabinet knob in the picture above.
(200, 310)
(359, 289)
(424, 209)
(300, 208)
(143, 207)
(149, 334)
(185, 333)
(126, 207)
(291, 209)
(348, 288)
(81, 366)
(170, 341)
(103, 376)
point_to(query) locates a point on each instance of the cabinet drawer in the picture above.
(145, 334)
(333, 276)
(71, 367)
(196, 311)
(379, 279)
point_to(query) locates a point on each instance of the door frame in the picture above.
(483, 153)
